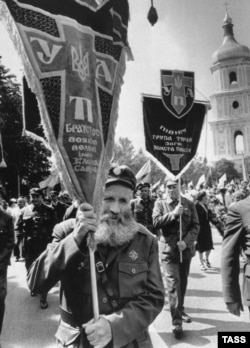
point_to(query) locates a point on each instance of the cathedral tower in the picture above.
(230, 119)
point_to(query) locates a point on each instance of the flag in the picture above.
(155, 186)
(172, 133)
(32, 125)
(52, 180)
(222, 181)
(245, 174)
(74, 55)
(200, 182)
(144, 174)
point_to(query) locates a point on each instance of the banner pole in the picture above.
(180, 220)
(93, 284)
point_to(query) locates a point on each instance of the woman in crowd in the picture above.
(204, 241)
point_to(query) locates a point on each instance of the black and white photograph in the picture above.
(124, 173)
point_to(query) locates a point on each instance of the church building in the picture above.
(230, 116)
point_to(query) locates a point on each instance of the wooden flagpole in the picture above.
(93, 284)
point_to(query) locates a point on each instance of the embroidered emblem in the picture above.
(177, 91)
(133, 255)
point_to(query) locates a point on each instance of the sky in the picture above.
(185, 37)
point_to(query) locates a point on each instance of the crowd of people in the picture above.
(50, 233)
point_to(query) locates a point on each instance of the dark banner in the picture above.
(170, 140)
(74, 54)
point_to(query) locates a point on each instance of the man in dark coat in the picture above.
(129, 283)
(36, 223)
(166, 215)
(6, 247)
(59, 207)
(142, 207)
(236, 237)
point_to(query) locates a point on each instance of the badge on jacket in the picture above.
(133, 255)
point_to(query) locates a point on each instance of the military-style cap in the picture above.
(12, 200)
(36, 191)
(170, 182)
(122, 175)
(142, 185)
(53, 193)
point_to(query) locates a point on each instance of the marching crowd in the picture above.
(50, 234)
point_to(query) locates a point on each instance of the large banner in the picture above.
(172, 140)
(74, 54)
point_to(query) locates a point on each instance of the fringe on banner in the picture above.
(36, 88)
(108, 153)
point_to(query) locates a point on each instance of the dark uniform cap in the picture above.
(122, 175)
(142, 185)
(36, 191)
(53, 193)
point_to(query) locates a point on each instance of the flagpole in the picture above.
(95, 303)
(180, 219)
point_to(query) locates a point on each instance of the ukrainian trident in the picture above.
(177, 91)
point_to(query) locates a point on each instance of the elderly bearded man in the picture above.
(129, 282)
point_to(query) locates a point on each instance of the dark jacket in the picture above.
(204, 240)
(60, 209)
(6, 238)
(142, 211)
(133, 271)
(164, 218)
(36, 222)
(236, 236)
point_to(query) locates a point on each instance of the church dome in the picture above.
(230, 48)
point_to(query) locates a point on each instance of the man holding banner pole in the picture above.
(129, 282)
(172, 127)
(170, 215)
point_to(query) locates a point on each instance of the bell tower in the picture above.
(230, 119)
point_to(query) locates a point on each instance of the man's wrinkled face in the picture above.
(117, 224)
(173, 191)
(116, 201)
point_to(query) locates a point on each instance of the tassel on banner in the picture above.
(152, 14)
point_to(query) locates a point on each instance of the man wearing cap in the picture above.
(35, 223)
(129, 284)
(59, 207)
(142, 207)
(166, 215)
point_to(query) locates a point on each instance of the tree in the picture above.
(25, 158)
(212, 173)
(225, 166)
(125, 153)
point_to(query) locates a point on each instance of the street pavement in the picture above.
(28, 326)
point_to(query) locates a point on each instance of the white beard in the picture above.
(116, 232)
